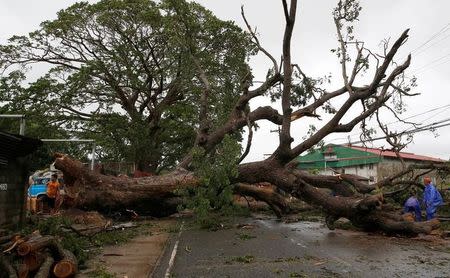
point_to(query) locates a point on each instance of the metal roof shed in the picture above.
(14, 176)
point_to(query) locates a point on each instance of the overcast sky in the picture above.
(314, 36)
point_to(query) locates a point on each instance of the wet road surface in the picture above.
(303, 249)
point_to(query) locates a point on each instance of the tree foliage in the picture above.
(125, 73)
(216, 172)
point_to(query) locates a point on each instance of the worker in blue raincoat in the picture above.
(412, 205)
(431, 198)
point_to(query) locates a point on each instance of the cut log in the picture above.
(34, 244)
(10, 246)
(56, 250)
(6, 267)
(45, 269)
(67, 264)
(67, 267)
(34, 260)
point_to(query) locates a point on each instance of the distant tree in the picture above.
(125, 73)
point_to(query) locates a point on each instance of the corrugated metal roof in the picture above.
(345, 157)
(404, 155)
(12, 146)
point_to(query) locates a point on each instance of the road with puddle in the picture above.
(269, 248)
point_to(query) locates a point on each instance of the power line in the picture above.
(441, 31)
(434, 36)
(420, 114)
(425, 49)
(409, 117)
(437, 65)
(434, 115)
(431, 63)
(403, 133)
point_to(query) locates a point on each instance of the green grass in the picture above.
(245, 236)
(288, 259)
(278, 271)
(120, 236)
(241, 259)
(296, 274)
(345, 226)
(445, 225)
(101, 272)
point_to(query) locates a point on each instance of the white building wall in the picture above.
(366, 171)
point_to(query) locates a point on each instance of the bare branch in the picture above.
(284, 149)
(255, 38)
(344, 55)
(371, 90)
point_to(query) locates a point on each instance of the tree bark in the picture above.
(275, 201)
(67, 264)
(154, 194)
(44, 271)
(34, 244)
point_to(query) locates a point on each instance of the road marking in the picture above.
(174, 253)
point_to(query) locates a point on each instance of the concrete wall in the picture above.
(368, 171)
(12, 194)
(390, 166)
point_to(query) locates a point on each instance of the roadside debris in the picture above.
(41, 256)
(246, 226)
(86, 223)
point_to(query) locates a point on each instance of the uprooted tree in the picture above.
(214, 160)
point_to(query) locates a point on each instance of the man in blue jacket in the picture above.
(431, 198)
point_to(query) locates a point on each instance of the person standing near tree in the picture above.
(52, 192)
(431, 198)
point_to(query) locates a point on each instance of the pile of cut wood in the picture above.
(35, 256)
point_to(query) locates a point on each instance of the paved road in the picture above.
(304, 249)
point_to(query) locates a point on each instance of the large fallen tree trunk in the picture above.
(154, 194)
(363, 210)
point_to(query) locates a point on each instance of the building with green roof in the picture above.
(370, 163)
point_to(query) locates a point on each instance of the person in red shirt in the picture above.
(52, 192)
